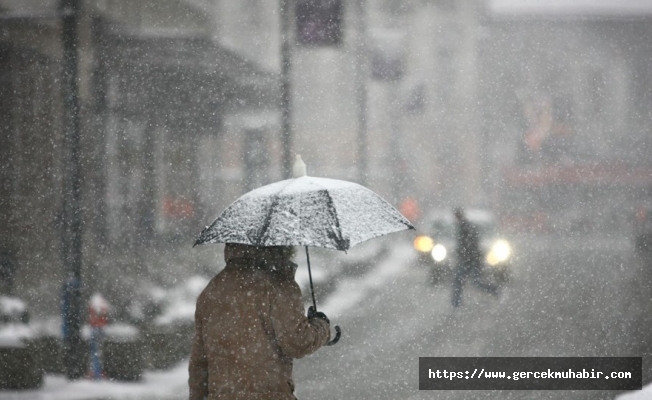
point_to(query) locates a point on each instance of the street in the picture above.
(580, 297)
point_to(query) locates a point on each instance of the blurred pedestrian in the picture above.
(469, 258)
(250, 325)
(98, 317)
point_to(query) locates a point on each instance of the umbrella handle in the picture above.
(312, 289)
(338, 333)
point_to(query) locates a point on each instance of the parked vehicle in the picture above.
(437, 243)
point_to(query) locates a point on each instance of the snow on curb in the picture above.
(350, 291)
(154, 385)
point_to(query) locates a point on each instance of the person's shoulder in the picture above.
(212, 283)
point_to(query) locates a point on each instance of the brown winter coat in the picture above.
(249, 325)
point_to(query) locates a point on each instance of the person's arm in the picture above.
(296, 335)
(198, 366)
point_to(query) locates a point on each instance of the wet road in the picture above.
(580, 297)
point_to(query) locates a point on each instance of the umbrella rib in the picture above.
(331, 204)
(268, 217)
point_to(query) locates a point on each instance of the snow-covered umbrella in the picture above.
(306, 211)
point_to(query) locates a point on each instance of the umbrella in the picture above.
(306, 211)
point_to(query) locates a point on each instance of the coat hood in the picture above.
(270, 258)
(233, 251)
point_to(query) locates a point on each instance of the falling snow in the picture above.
(128, 126)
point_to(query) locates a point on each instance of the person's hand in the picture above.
(317, 314)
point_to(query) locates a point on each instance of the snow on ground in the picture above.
(12, 335)
(154, 385)
(351, 291)
(160, 384)
(644, 394)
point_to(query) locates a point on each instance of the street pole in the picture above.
(467, 97)
(396, 155)
(72, 221)
(361, 93)
(286, 64)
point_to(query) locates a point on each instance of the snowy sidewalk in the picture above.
(173, 384)
(155, 385)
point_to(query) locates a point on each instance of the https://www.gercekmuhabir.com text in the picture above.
(530, 373)
(516, 375)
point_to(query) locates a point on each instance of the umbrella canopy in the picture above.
(306, 211)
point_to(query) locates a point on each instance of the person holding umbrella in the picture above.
(250, 325)
(249, 320)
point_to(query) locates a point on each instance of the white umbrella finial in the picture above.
(299, 168)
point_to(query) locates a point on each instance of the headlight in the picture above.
(500, 252)
(424, 244)
(439, 252)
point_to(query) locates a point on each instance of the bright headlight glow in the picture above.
(439, 252)
(423, 243)
(501, 251)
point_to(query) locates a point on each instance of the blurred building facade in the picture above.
(155, 92)
(565, 124)
(180, 115)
